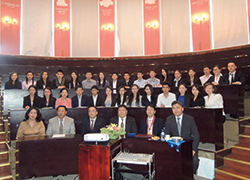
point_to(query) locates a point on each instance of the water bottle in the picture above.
(163, 134)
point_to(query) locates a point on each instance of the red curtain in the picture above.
(151, 27)
(200, 24)
(62, 27)
(10, 26)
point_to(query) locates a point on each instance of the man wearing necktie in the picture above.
(233, 76)
(183, 125)
(93, 123)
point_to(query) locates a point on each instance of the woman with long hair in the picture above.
(121, 97)
(74, 80)
(29, 80)
(13, 82)
(165, 77)
(192, 77)
(32, 100)
(134, 99)
(148, 96)
(64, 100)
(48, 100)
(183, 96)
(44, 81)
(102, 83)
(196, 98)
(109, 99)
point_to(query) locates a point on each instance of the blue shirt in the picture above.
(141, 83)
(182, 99)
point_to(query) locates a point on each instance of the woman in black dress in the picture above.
(13, 82)
(196, 99)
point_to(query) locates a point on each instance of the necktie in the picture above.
(231, 78)
(122, 124)
(92, 125)
(61, 127)
(179, 125)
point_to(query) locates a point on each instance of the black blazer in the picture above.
(84, 101)
(52, 102)
(157, 127)
(118, 84)
(36, 103)
(182, 80)
(188, 129)
(113, 101)
(130, 126)
(55, 81)
(239, 76)
(196, 81)
(99, 123)
(199, 102)
(169, 80)
(146, 102)
(71, 85)
(19, 86)
(99, 101)
(129, 83)
(39, 84)
(221, 80)
(187, 99)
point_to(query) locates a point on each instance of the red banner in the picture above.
(248, 5)
(10, 26)
(200, 24)
(151, 27)
(107, 27)
(62, 27)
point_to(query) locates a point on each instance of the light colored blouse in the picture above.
(215, 101)
(61, 101)
(26, 86)
(26, 130)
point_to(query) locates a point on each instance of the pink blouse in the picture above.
(61, 101)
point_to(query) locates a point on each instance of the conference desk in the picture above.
(208, 121)
(46, 156)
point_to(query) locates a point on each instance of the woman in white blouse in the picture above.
(212, 100)
(29, 80)
(134, 99)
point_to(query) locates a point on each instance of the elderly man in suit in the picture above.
(92, 124)
(183, 125)
(124, 121)
(79, 99)
(151, 125)
(61, 124)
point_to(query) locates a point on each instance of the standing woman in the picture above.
(109, 99)
(32, 100)
(74, 80)
(196, 98)
(134, 99)
(64, 100)
(32, 124)
(48, 100)
(29, 80)
(192, 77)
(148, 96)
(13, 82)
(121, 97)
(183, 96)
(102, 83)
(44, 81)
(166, 77)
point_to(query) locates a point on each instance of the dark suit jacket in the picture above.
(39, 84)
(19, 86)
(199, 102)
(118, 84)
(99, 101)
(84, 101)
(129, 83)
(187, 99)
(239, 76)
(130, 126)
(157, 127)
(99, 123)
(188, 129)
(52, 102)
(182, 80)
(146, 102)
(36, 103)
(221, 80)
(55, 82)
(196, 81)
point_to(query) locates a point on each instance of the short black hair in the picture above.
(150, 105)
(59, 70)
(165, 83)
(177, 102)
(61, 106)
(122, 105)
(64, 89)
(206, 66)
(78, 87)
(94, 87)
(140, 71)
(114, 73)
(126, 73)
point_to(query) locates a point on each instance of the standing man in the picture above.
(233, 76)
(79, 99)
(88, 83)
(153, 80)
(166, 98)
(183, 125)
(124, 121)
(207, 74)
(61, 124)
(92, 124)
(140, 81)
(152, 125)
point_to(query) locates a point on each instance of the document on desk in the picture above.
(134, 158)
(58, 136)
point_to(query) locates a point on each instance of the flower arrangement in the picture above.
(113, 130)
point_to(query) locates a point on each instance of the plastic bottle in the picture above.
(163, 134)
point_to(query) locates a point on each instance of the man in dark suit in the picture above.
(95, 100)
(79, 99)
(127, 83)
(178, 79)
(183, 125)
(233, 76)
(115, 84)
(124, 121)
(92, 124)
(151, 125)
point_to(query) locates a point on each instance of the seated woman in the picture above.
(102, 83)
(212, 100)
(32, 124)
(48, 100)
(74, 80)
(121, 97)
(29, 80)
(165, 76)
(196, 98)
(134, 99)
(217, 78)
(13, 82)
(44, 81)
(149, 97)
(64, 100)
(109, 99)
(192, 77)
(32, 100)
(183, 96)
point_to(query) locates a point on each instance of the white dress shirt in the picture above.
(124, 122)
(214, 101)
(204, 78)
(166, 101)
(94, 99)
